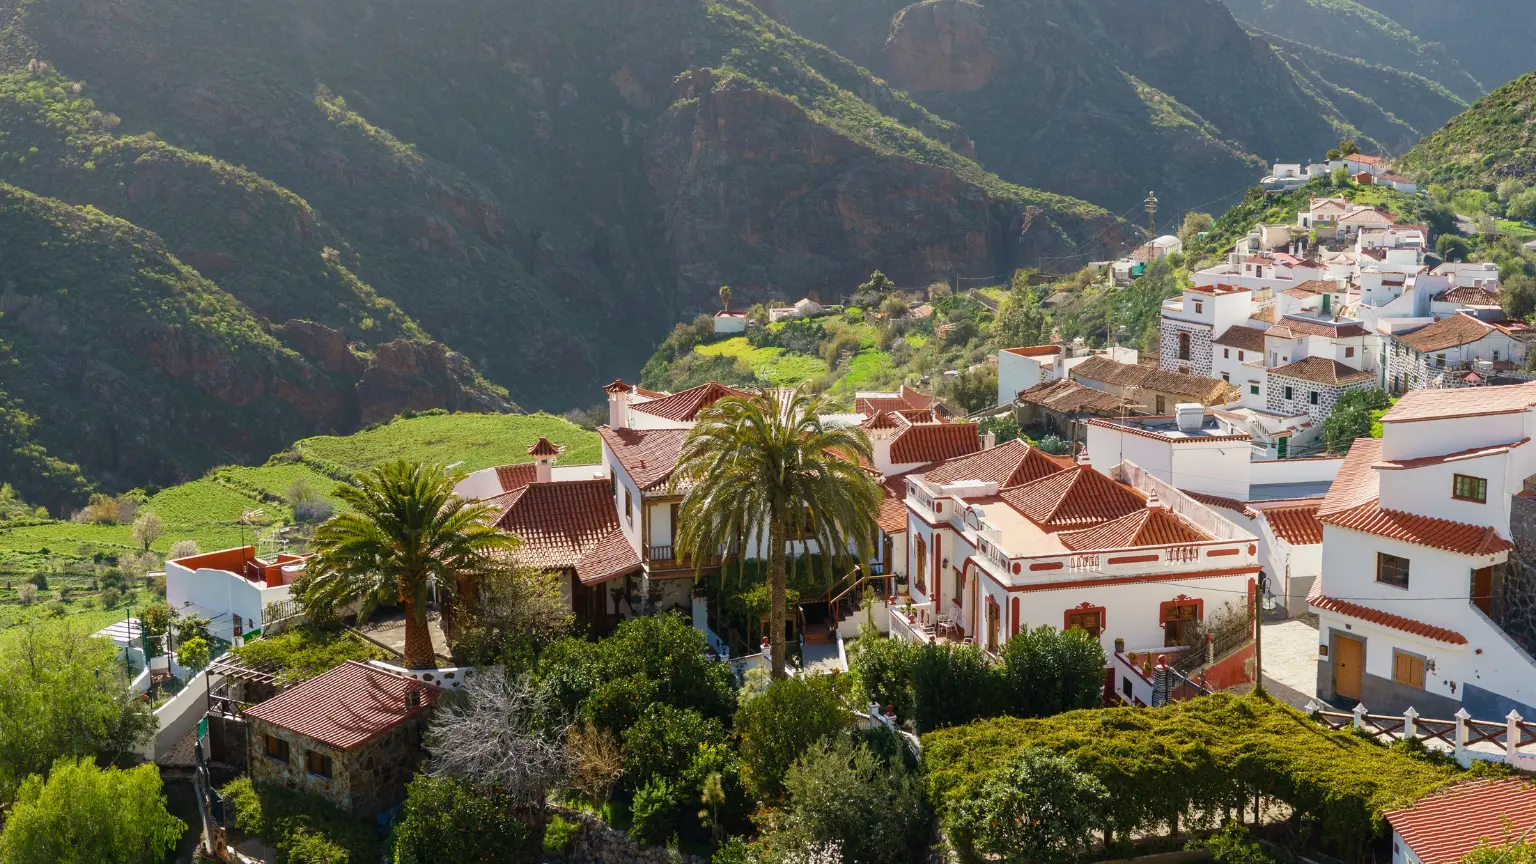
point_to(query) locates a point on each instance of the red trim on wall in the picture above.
(1015, 628)
(1217, 553)
(1046, 565)
(1132, 559)
(1182, 600)
(1132, 580)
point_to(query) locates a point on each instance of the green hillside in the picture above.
(1491, 142)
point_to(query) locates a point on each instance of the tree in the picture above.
(1019, 323)
(764, 462)
(1522, 207)
(147, 529)
(1052, 671)
(193, 654)
(1039, 808)
(777, 726)
(406, 531)
(841, 792)
(183, 549)
(663, 742)
(83, 814)
(972, 389)
(895, 306)
(1334, 155)
(490, 740)
(65, 695)
(1340, 177)
(725, 298)
(1352, 418)
(1452, 248)
(447, 822)
(156, 619)
(1348, 147)
(596, 762)
(878, 283)
(1194, 225)
(26, 593)
(521, 610)
(1518, 297)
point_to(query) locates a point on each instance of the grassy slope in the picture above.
(1493, 140)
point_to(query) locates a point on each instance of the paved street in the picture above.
(1290, 660)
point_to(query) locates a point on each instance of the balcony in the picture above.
(658, 557)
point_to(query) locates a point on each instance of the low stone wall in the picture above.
(599, 844)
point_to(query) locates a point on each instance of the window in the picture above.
(317, 764)
(1312, 397)
(1125, 687)
(613, 486)
(1086, 618)
(1495, 356)
(1199, 307)
(1391, 570)
(1161, 405)
(1183, 346)
(1464, 488)
(1226, 353)
(921, 554)
(1288, 394)
(1239, 356)
(1227, 377)
(1439, 359)
(1349, 352)
(277, 749)
(1253, 388)
(1408, 669)
(629, 508)
(1179, 620)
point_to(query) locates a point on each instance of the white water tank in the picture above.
(1190, 416)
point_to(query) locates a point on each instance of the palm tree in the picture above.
(405, 531)
(725, 297)
(764, 461)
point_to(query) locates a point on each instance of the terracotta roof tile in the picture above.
(686, 405)
(1035, 351)
(1078, 497)
(543, 447)
(1458, 537)
(1246, 338)
(881, 420)
(1323, 370)
(610, 557)
(934, 442)
(1319, 286)
(1297, 526)
(647, 455)
(1012, 464)
(920, 415)
(1469, 295)
(559, 523)
(1356, 483)
(1069, 397)
(1444, 827)
(1458, 329)
(347, 706)
(513, 477)
(1313, 327)
(617, 385)
(1223, 502)
(893, 506)
(1149, 378)
(1145, 527)
(1317, 599)
(1462, 402)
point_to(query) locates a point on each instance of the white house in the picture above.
(803, 308)
(1397, 181)
(231, 588)
(1459, 351)
(1020, 369)
(1360, 163)
(1443, 828)
(1422, 585)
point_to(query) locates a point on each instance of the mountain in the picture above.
(1490, 38)
(1493, 141)
(1350, 29)
(395, 210)
(1108, 98)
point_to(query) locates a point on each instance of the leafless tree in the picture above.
(486, 737)
(596, 761)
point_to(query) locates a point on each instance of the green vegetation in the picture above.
(1490, 142)
(447, 822)
(307, 651)
(474, 441)
(82, 814)
(301, 826)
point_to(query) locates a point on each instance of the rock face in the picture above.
(409, 375)
(757, 195)
(322, 345)
(941, 46)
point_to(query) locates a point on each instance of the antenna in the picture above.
(1151, 207)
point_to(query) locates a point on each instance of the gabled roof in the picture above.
(1318, 286)
(1068, 397)
(1289, 327)
(881, 420)
(1356, 483)
(1323, 370)
(513, 477)
(1245, 338)
(610, 557)
(905, 399)
(1442, 828)
(647, 455)
(686, 405)
(1149, 378)
(1012, 464)
(347, 706)
(1368, 215)
(1468, 295)
(1462, 402)
(1318, 600)
(934, 442)
(1145, 527)
(1362, 159)
(1078, 497)
(559, 523)
(893, 506)
(1458, 537)
(1449, 332)
(1223, 502)
(1297, 526)
(1035, 350)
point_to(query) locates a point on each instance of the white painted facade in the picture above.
(213, 588)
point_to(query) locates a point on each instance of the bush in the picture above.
(1037, 808)
(776, 727)
(1049, 671)
(316, 510)
(83, 814)
(299, 821)
(306, 847)
(655, 811)
(664, 741)
(306, 651)
(953, 684)
(560, 835)
(446, 822)
(841, 793)
(1233, 844)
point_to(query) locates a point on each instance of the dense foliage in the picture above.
(306, 651)
(446, 822)
(297, 822)
(1491, 142)
(1354, 416)
(83, 814)
(1038, 807)
(776, 727)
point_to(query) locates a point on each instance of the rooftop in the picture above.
(1323, 370)
(1245, 338)
(1167, 428)
(1442, 828)
(567, 525)
(1461, 402)
(647, 455)
(1109, 371)
(1069, 397)
(1010, 464)
(685, 406)
(1078, 497)
(1458, 329)
(933, 442)
(347, 706)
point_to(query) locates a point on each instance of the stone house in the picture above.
(1312, 385)
(1148, 389)
(352, 735)
(1459, 351)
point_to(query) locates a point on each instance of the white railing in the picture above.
(447, 678)
(1198, 514)
(1470, 740)
(1207, 555)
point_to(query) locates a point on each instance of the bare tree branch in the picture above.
(486, 737)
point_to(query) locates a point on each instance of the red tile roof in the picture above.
(686, 405)
(1319, 286)
(1356, 483)
(1442, 828)
(893, 507)
(1289, 327)
(610, 557)
(1297, 526)
(934, 442)
(559, 523)
(617, 385)
(1078, 497)
(1362, 159)
(881, 420)
(1069, 397)
(1458, 456)
(647, 455)
(1246, 338)
(1469, 295)
(1458, 537)
(1035, 351)
(1458, 329)
(1145, 527)
(512, 477)
(920, 415)
(347, 706)
(1317, 599)
(1323, 370)
(543, 447)
(1461, 402)
(1219, 501)
(914, 398)
(1012, 464)
(1108, 371)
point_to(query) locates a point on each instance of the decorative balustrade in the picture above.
(1460, 735)
(1208, 555)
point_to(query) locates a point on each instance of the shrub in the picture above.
(953, 684)
(560, 835)
(306, 847)
(776, 727)
(26, 592)
(655, 811)
(1037, 808)
(306, 651)
(446, 822)
(1049, 671)
(839, 792)
(299, 821)
(1233, 844)
(317, 510)
(183, 549)
(664, 741)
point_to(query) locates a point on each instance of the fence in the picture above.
(1462, 735)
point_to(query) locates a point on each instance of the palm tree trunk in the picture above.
(776, 595)
(418, 639)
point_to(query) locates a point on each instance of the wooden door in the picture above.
(1348, 663)
(1482, 589)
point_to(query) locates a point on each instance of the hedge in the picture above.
(1198, 758)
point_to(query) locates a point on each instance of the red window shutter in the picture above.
(1015, 618)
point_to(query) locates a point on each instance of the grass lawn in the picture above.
(869, 370)
(474, 441)
(1518, 230)
(771, 364)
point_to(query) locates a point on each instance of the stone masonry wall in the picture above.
(599, 844)
(1199, 362)
(1300, 401)
(1514, 584)
(366, 780)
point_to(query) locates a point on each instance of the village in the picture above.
(1199, 545)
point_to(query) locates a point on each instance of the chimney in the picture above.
(988, 440)
(1153, 502)
(543, 453)
(618, 404)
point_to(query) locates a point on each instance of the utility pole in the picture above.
(1151, 207)
(1258, 632)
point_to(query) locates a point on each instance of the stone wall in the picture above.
(1199, 362)
(366, 780)
(1300, 401)
(599, 844)
(1514, 584)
